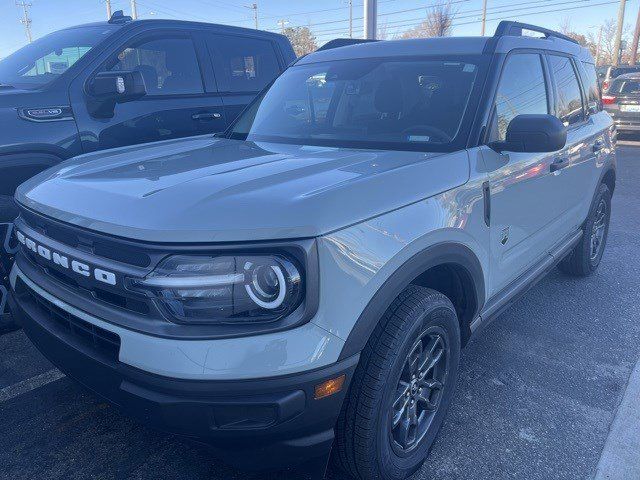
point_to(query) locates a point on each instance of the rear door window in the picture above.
(590, 81)
(568, 96)
(243, 64)
(516, 96)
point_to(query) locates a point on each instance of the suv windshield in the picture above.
(403, 104)
(37, 64)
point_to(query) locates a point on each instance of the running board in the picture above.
(507, 296)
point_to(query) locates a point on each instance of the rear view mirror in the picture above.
(534, 134)
(108, 88)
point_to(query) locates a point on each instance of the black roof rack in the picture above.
(119, 17)
(343, 42)
(510, 28)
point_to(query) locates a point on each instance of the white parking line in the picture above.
(620, 459)
(25, 386)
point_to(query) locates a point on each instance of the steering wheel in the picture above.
(429, 130)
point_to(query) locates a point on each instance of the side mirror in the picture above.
(106, 89)
(534, 134)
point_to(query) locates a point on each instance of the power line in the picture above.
(413, 24)
(495, 10)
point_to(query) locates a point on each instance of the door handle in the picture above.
(206, 116)
(559, 163)
(598, 146)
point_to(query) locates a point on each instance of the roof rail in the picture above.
(511, 28)
(343, 42)
(119, 17)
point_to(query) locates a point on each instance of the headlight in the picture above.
(225, 288)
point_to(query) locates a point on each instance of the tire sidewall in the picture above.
(603, 194)
(443, 316)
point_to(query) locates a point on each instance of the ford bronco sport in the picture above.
(304, 283)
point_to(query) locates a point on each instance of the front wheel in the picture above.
(585, 257)
(401, 389)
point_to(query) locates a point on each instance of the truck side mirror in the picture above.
(533, 133)
(106, 89)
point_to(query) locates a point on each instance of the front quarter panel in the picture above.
(356, 262)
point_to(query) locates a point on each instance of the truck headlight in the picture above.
(225, 288)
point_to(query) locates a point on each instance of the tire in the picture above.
(367, 446)
(582, 260)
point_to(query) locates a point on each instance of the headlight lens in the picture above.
(224, 289)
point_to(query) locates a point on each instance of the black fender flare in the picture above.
(16, 167)
(438, 254)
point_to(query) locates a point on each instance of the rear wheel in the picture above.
(586, 255)
(402, 388)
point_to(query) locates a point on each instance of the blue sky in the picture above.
(328, 18)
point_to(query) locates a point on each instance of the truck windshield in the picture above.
(38, 63)
(392, 103)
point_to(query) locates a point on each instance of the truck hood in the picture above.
(204, 189)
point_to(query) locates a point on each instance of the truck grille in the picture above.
(102, 341)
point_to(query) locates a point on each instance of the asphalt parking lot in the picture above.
(536, 398)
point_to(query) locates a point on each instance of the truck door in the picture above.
(243, 66)
(180, 100)
(524, 203)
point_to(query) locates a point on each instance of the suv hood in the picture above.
(204, 189)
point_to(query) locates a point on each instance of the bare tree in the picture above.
(566, 28)
(439, 23)
(302, 39)
(607, 42)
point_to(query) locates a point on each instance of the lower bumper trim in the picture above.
(275, 420)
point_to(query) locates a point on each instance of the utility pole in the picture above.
(254, 7)
(282, 22)
(350, 18)
(636, 38)
(108, 2)
(484, 17)
(370, 19)
(26, 21)
(618, 39)
(134, 10)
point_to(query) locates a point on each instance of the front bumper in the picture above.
(276, 422)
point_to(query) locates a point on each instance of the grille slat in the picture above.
(92, 336)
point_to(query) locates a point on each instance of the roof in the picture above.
(633, 75)
(447, 46)
(167, 23)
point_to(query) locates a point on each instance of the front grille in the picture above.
(102, 341)
(87, 241)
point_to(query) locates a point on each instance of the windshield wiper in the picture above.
(4, 85)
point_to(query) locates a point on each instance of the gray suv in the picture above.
(304, 283)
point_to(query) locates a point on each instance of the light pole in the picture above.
(618, 39)
(370, 19)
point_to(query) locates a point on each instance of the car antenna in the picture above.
(119, 17)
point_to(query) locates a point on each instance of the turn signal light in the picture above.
(329, 387)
